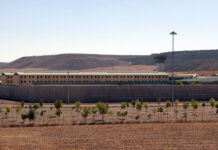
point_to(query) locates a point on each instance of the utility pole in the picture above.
(173, 33)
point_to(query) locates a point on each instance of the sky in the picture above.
(125, 27)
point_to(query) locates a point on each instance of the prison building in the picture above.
(35, 78)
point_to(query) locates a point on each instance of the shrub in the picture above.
(8, 109)
(36, 106)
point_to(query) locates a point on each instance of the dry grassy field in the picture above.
(149, 136)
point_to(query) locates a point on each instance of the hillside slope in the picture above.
(2, 64)
(66, 61)
(184, 61)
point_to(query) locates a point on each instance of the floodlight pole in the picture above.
(173, 33)
(68, 88)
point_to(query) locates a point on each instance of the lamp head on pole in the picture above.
(173, 33)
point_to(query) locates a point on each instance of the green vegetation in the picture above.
(185, 107)
(41, 101)
(58, 104)
(168, 104)
(86, 112)
(102, 108)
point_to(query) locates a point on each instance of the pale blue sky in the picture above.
(135, 27)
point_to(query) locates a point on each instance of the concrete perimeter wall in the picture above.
(107, 93)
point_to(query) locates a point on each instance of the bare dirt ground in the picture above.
(150, 136)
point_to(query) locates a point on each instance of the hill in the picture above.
(2, 64)
(184, 61)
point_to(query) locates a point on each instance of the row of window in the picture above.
(48, 77)
(31, 82)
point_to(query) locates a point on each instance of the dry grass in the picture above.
(150, 136)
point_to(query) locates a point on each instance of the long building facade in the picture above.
(35, 78)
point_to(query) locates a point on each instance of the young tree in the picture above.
(158, 102)
(24, 117)
(86, 112)
(139, 107)
(32, 115)
(41, 101)
(123, 105)
(216, 108)
(146, 105)
(1, 111)
(133, 102)
(58, 113)
(19, 108)
(58, 105)
(22, 103)
(176, 103)
(77, 108)
(160, 110)
(195, 107)
(102, 108)
(110, 114)
(94, 112)
(212, 102)
(42, 115)
(123, 113)
(185, 107)
(176, 111)
(202, 113)
(8, 109)
(168, 104)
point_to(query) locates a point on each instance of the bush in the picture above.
(36, 106)
(8, 109)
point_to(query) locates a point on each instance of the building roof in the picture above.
(87, 73)
(203, 79)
